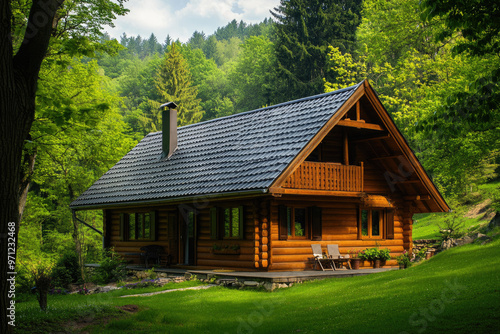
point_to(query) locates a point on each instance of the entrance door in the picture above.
(187, 231)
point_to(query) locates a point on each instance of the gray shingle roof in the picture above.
(242, 152)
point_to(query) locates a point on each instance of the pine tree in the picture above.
(173, 83)
(304, 30)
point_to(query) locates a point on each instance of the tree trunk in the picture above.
(18, 81)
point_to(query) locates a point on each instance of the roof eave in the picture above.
(195, 199)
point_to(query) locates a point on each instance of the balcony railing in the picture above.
(326, 176)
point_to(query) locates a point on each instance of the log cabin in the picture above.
(253, 191)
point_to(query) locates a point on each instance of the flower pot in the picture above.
(355, 263)
(376, 264)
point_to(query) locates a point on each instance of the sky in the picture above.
(180, 18)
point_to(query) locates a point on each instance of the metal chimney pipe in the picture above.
(169, 129)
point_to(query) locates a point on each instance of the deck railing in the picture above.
(326, 176)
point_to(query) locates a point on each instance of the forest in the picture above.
(434, 64)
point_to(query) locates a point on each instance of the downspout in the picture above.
(89, 226)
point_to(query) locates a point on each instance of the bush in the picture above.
(451, 229)
(374, 253)
(67, 271)
(111, 268)
(143, 284)
(404, 259)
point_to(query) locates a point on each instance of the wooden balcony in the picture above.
(326, 176)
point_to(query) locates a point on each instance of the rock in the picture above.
(251, 283)
(141, 275)
(463, 241)
(487, 241)
(188, 276)
(270, 286)
(104, 289)
(494, 222)
(162, 281)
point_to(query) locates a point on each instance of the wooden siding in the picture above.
(168, 237)
(340, 226)
(326, 176)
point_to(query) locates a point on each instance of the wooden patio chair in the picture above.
(334, 254)
(319, 259)
(154, 253)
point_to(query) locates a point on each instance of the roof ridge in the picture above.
(338, 91)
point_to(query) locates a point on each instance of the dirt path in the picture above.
(201, 287)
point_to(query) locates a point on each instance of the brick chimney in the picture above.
(169, 129)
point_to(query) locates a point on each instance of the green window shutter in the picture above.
(213, 223)
(390, 225)
(241, 222)
(122, 226)
(283, 226)
(316, 227)
(153, 225)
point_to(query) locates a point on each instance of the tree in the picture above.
(197, 40)
(254, 74)
(173, 83)
(477, 21)
(77, 26)
(467, 124)
(304, 30)
(210, 47)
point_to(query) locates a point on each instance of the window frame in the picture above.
(291, 227)
(218, 226)
(140, 220)
(382, 223)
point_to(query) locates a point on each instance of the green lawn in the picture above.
(455, 291)
(426, 225)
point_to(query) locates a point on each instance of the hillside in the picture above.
(455, 291)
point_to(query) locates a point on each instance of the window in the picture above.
(231, 222)
(296, 222)
(373, 222)
(137, 226)
(299, 222)
(227, 223)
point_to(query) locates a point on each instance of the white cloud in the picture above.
(180, 18)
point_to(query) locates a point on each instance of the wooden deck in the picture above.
(270, 276)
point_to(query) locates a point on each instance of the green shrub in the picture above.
(67, 271)
(374, 253)
(404, 259)
(111, 268)
(452, 228)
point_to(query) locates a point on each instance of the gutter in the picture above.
(165, 201)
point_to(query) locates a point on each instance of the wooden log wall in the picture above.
(168, 237)
(245, 259)
(124, 247)
(340, 226)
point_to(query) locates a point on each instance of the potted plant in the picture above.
(403, 260)
(384, 255)
(376, 255)
(371, 254)
(355, 259)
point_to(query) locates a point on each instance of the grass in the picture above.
(426, 225)
(455, 291)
